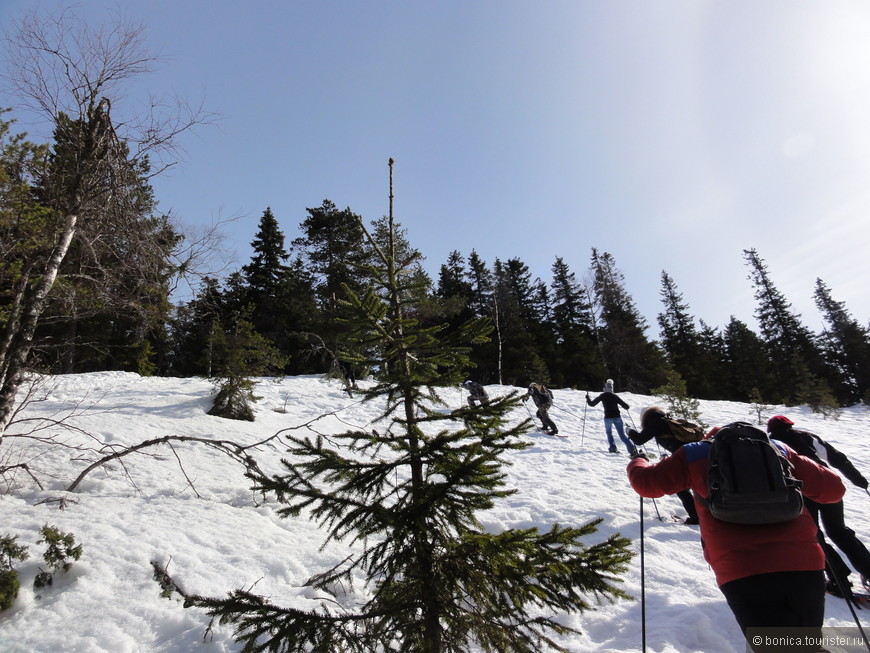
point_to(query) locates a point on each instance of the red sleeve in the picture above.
(821, 484)
(666, 477)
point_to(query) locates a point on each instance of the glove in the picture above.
(639, 454)
(863, 484)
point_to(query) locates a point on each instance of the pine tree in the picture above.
(847, 345)
(408, 495)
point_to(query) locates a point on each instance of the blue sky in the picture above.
(672, 134)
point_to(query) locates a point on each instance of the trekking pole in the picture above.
(658, 514)
(529, 412)
(847, 594)
(642, 582)
(583, 430)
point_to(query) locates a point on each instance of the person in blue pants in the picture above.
(612, 417)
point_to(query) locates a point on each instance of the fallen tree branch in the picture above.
(167, 583)
(23, 466)
(235, 450)
(232, 449)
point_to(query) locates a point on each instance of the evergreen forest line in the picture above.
(563, 333)
(284, 312)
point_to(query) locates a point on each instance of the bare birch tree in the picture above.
(75, 75)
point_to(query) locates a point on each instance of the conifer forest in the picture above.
(88, 266)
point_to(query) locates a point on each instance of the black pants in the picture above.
(833, 522)
(783, 599)
(685, 497)
(544, 416)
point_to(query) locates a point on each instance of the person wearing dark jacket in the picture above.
(543, 399)
(476, 393)
(831, 514)
(612, 417)
(770, 574)
(653, 424)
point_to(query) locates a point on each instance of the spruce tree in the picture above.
(280, 295)
(407, 496)
(267, 267)
(752, 373)
(334, 251)
(333, 247)
(194, 327)
(799, 365)
(454, 291)
(482, 283)
(520, 317)
(847, 345)
(712, 363)
(486, 356)
(680, 339)
(576, 361)
(633, 362)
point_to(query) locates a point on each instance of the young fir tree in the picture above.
(680, 404)
(406, 497)
(240, 353)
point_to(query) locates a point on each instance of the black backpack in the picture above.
(749, 479)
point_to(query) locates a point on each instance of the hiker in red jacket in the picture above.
(771, 574)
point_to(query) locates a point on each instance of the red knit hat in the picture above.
(778, 422)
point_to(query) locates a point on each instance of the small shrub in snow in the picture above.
(9, 583)
(61, 547)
